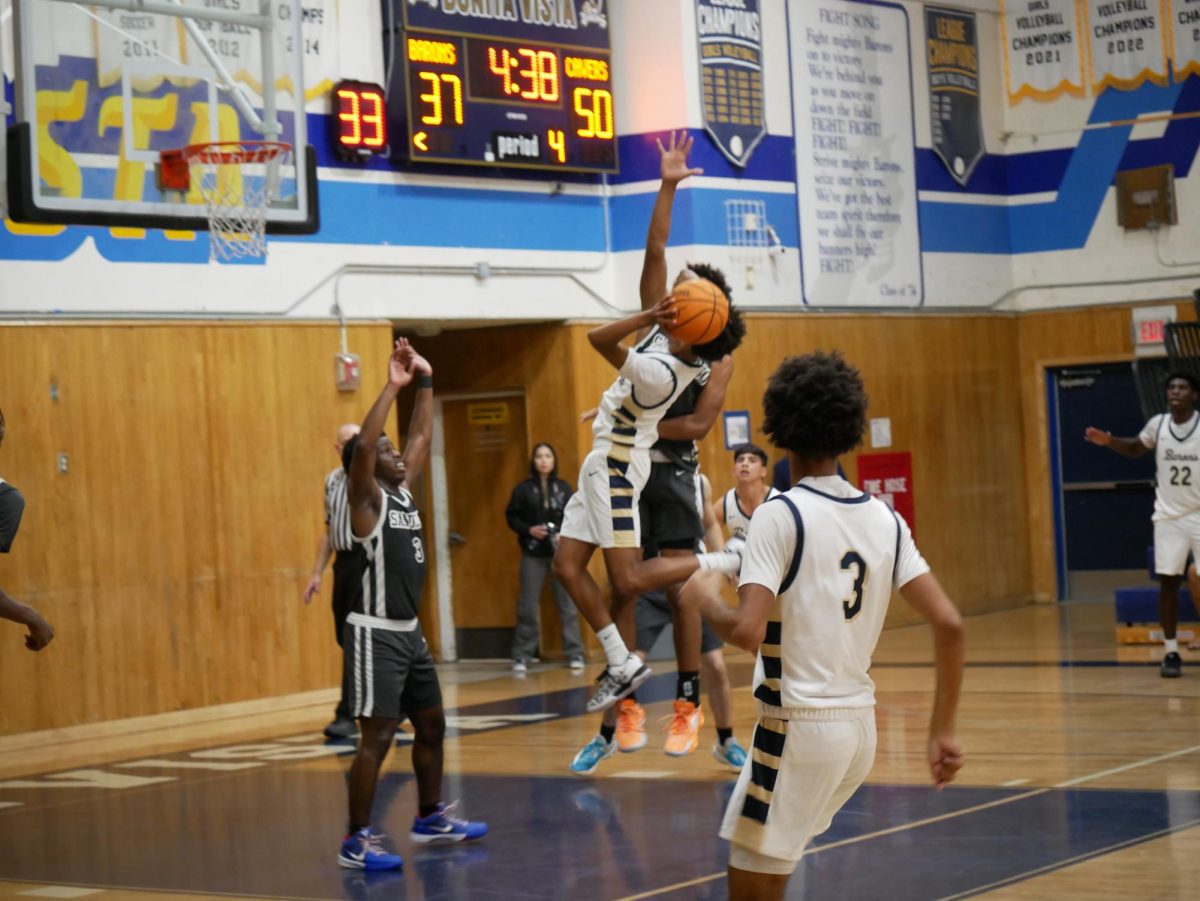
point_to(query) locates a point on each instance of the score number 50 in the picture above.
(595, 107)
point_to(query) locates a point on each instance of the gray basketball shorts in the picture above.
(654, 615)
(388, 674)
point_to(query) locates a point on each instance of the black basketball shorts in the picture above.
(670, 507)
(388, 674)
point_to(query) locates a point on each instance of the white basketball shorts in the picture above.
(604, 511)
(1173, 539)
(798, 775)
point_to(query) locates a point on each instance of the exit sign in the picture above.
(1149, 329)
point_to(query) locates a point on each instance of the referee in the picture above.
(347, 566)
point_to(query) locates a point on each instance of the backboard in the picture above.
(102, 88)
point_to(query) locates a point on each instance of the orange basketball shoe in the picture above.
(684, 732)
(631, 726)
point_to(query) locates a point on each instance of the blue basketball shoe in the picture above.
(362, 851)
(731, 754)
(440, 826)
(591, 754)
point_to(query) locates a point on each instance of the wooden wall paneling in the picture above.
(171, 557)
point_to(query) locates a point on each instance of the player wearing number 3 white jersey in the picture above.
(1174, 436)
(819, 567)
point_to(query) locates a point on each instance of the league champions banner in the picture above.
(956, 118)
(1043, 53)
(1127, 40)
(731, 75)
(1185, 37)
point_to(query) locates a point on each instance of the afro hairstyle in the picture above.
(815, 405)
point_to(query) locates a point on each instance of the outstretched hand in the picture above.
(946, 758)
(589, 415)
(1097, 436)
(674, 166)
(401, 364)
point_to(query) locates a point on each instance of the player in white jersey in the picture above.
(1175, 438)
(604, 511)
(750, 492)
(819, 567)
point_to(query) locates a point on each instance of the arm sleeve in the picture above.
(514, 514)
(328, 512)
(770, 547)
(12, 506)
(909, 562)
(1149, 434)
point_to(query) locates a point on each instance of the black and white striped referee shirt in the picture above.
(337, 511)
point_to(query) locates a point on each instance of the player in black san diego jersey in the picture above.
(389, 670)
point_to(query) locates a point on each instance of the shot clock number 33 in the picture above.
(494, 102)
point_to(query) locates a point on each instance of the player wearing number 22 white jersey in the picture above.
(1174, 437)
(819, 567)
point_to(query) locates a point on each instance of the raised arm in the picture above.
(696, 424)
(673, 168)
(606, 339)
(420, 426)
(362, 493)
(1126, 447)
(926, 596)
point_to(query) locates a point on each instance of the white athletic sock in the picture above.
(1171, 646)
(720, 561)
(615, 651)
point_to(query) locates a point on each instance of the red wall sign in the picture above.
(889, 478)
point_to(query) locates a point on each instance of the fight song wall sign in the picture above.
(731, 75)
(956, 119)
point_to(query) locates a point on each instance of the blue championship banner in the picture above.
(731, 75)
(952, 51)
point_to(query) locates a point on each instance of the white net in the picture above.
(238, 182)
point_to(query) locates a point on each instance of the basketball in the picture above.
(702, 309)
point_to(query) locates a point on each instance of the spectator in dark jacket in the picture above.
(535, 513)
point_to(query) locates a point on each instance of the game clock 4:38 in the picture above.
(495, 101)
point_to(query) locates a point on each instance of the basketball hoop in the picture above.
(238, 180)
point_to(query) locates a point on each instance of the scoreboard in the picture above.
(508, 83)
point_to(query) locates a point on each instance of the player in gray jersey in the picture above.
(387, 663)
(1175, 438)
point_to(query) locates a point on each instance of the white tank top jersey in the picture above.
(832, 556)
(737, 521)
(1177, 453)
(649, 382)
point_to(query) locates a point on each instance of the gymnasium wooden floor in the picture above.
(1083, 780)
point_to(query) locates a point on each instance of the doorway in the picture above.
(1102, 501)
(480, 453)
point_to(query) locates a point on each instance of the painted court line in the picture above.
(1071, 861)
(713, 877)
(1013, 783)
